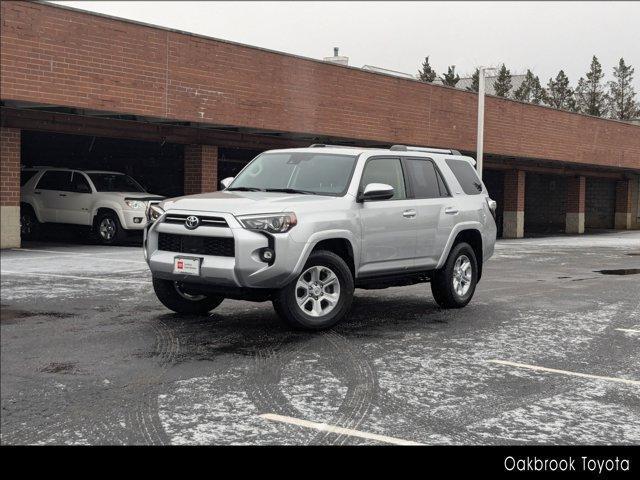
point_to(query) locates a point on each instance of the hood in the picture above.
(142, 196)
(245, 203)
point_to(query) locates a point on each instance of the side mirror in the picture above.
(226, 182)
(376, 191)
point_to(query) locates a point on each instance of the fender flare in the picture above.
(470, 225)
(117, 209)
(28, 202)
(325, 235)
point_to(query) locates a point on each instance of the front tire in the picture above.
(320, 297)
(176, 296)
(454, 284)
(29, 224)
(108, 229)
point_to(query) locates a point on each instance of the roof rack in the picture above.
(326, 145)
(406, 148)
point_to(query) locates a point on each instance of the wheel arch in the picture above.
(340, 242)
(468, 233)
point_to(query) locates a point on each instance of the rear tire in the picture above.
(29, 224)
(454, 284)
(175, 296)
(320, 297)
(108, 230)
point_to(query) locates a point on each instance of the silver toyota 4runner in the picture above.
(304, 227)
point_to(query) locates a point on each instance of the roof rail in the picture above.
(408, 148)
(325, 145)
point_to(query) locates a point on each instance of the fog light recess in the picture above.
(267, 255)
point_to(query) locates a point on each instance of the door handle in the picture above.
(451, 210)
(38, 193)
(409, 213)
(62, 194)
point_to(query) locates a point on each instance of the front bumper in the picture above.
(244, 269)
(134, 219)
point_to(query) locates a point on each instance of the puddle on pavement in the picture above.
(620, 271)
(59, 367)
(10, 314)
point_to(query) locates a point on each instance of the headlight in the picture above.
(154, 212)
(279, 223)
(135, 204)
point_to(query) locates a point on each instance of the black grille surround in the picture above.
(198, 245)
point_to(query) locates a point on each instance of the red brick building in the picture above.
(181, 111)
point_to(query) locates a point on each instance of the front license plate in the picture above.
(186, 265)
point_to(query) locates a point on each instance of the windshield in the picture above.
(295, 172)
(114, 182)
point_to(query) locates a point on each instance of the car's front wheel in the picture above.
(320, 296)
(178, 297)
(108, 229)
(29, 224)
(454, 284)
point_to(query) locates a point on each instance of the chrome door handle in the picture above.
(450, 210)
(409, 213)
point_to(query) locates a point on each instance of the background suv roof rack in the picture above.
(324, 145)
(408, 148)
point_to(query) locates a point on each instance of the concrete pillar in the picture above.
(200, 169)
(9, 187)
(513, 213)
(576, 187)
(624, 207)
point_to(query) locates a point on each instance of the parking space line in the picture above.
(628, 330)
(74, 254)
(94, 279)
(335, 429)
(564, 372)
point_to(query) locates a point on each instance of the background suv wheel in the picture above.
(108, 230)
(320, 296)
(454, 284)
(29, 224)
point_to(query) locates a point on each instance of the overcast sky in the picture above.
(543, 36)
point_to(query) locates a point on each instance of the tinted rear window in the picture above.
(466, 175)
(55, 180)
(425, 179)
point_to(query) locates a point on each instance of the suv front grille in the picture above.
(205, 221)
(219, 246)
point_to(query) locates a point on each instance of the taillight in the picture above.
(493, 205)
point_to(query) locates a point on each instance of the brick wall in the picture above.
(576, 194)
(9, 166)
(200, 169)
(600, 202)
(514, 191)
(58, 56)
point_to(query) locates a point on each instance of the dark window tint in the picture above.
(466, 175)
(26, 175)
(425, 179)
(79, 183)
(387, 171)
(55, 180)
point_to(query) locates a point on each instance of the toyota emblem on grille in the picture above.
(192, 222)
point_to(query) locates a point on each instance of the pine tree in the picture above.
(622, 103)
(451, 78)
(590, 95)
(559, 93)
(426, 73)
(502, 85)
(475, 81)
(530, 89)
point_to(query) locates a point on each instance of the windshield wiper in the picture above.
(245, 189)
(290, 190)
